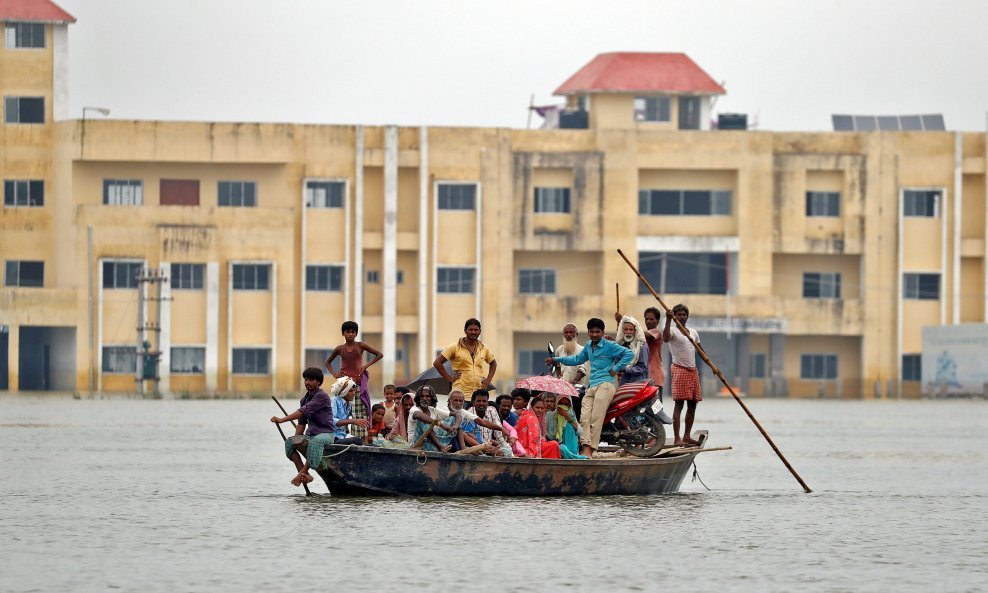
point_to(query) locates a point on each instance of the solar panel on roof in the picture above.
(933, 122)
(865, 123)
(843, 123)
(888, 123)
(911, 122)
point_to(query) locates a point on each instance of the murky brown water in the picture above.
(194, 496)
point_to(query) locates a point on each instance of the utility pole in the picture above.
(147, 358)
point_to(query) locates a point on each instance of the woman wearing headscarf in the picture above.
(562, 427)
(632, 337)
(531, 432)
(398, 434)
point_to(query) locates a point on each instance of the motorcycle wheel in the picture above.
(653, 444)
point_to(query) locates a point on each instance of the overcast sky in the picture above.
(789, 64)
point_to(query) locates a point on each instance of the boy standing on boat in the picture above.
(467, 357)
(606, 359)
(685, 378)
(315, 415)
(351, 354)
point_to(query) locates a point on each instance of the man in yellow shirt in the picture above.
(467, 356)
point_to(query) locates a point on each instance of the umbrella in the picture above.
(432, 378)
(549, 384)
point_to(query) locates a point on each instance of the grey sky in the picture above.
(464, 63)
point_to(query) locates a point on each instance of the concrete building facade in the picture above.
(810, 261)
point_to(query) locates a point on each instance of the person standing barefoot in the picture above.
(685, 378)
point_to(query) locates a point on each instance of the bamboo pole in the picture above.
(717, 372)
(284, 438)
(617, 296)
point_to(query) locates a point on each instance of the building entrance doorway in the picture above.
(47, 359)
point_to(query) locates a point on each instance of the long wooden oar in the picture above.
(284, 438)
(717, 372)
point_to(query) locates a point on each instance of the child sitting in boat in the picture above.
(315, 417)
(377, 427)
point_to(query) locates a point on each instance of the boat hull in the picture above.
(380, 471)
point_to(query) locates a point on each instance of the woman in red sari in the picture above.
(531, 432)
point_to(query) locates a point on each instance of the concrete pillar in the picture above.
(776, 363)
(423, 255)
(14, 359)
(358, 228)
(212, 326)
(743, 358)
(390, 252)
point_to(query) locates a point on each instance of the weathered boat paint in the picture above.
(376, 471)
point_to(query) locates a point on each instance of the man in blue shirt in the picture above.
(607, 359)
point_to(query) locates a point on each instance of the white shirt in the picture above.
(433, 413)
(682, 351)
(569, 373)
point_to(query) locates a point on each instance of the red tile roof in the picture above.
(37, 11)
(625, 72)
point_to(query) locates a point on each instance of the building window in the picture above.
(822, 203)
(237, 194)
(25, 274)
(757, 367)
(821, 285)
(24, 110)
(178, 192)
(324, 278)
(187, 276)
(399, 277)
(552, 200)
(316, 358)
(121, 274)
(24, 35)
(324, 194)
(531, 362)
(120, 359)
(373, 276)
(653, 109)
(23, 192)
(537, 281)
(123, 192)
(251, 361)
(251, 276)
(817, 366)
(924, 287)
(921, 202)
(457, 196)
(912, 367)
(685, 273)
(684, 202)
(188, 359)
(455, 280)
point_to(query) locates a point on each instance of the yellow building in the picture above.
(810, 261)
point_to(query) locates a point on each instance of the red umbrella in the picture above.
(549, 384)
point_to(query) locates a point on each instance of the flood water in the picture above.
(131, 495)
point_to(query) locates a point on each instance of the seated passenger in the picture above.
(315, 417)
(520, 398)
(377, 428)
(531, 432)
(504, 409)
(398, 432)
(345, 389)
(562, 427)
(424, 415)
(482, 433)
(467, 421)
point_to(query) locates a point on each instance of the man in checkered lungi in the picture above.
(685, 378)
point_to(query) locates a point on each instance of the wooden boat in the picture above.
(360, 470)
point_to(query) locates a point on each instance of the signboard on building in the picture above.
(954, 359)
(739, 325)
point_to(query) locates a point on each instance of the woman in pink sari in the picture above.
(399, 428)
(531, 432)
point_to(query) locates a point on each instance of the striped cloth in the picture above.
(628, 390)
